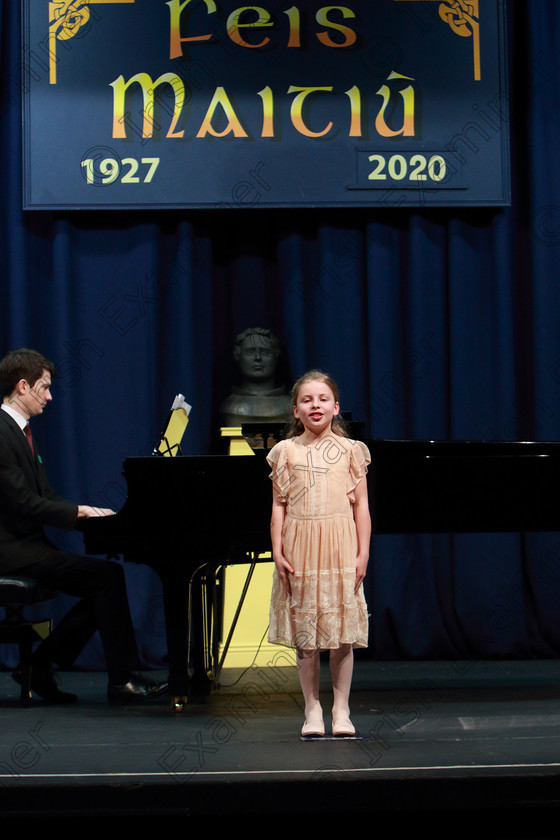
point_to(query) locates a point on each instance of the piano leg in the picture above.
(189, 619)
(175, 599)
(207, 612)
(193, 618)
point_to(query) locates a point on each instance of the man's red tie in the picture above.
(27, 431)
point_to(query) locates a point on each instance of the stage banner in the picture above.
(215, 104)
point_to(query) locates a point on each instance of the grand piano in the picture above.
(188, 517)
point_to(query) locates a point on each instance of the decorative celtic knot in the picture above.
(460, 15)
(67, 17)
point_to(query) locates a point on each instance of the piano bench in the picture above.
(17, 593)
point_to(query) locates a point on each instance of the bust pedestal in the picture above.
(253, 619)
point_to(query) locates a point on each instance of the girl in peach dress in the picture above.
(320, 530)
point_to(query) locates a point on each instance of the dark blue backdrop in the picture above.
(436, 323)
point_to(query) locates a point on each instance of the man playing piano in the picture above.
(27, 504)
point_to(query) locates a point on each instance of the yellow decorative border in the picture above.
(463, 18)
(66, 18)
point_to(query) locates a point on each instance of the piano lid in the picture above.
(199, 506)
(464, 486)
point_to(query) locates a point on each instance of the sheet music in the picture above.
(177, 422)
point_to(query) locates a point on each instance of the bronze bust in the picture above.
(257, 398)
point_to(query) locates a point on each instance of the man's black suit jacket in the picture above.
(27, 502)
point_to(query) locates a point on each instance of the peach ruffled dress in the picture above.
(316, 483)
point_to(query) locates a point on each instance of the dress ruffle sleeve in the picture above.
(278, 461)
(360, 459)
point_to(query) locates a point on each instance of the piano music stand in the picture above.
(172, 435)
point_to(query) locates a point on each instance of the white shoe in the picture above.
(313, 726)
(342, 726)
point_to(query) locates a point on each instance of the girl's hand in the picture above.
(361, 569)
(284, 570)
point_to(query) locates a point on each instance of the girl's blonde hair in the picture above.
(296, 427)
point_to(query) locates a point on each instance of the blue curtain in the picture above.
(437, 324)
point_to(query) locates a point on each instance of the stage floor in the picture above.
(450, 743)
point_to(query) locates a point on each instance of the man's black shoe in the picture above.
(138, 688)
(44, 684)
